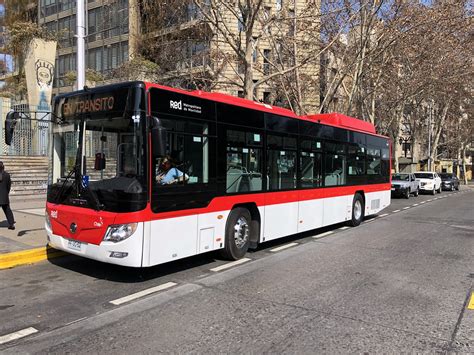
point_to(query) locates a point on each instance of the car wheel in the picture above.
(417, 192)
(439, 189)
(433, 192)
(407, 194)
(358, 209)
(237, 234)
(453, 188)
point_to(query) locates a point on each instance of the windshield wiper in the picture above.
(61, 190)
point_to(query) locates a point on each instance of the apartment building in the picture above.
(106, 42)
(190, 51)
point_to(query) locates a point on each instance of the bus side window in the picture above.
(281, 162)
(244, 161)
(334, 164)
(373, 161)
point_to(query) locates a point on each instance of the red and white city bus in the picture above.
(239, 173)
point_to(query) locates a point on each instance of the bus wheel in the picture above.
(237, 234)
(357, 210)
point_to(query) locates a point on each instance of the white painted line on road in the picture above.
(36, 211)
(415, 204)
(229, 265)
(283, 247)
(395, 211)
(17, 335)
(422, 202)
(429, 200)
(317, 236)
(146, 292)
(383, 215)
(370, 220)
(344, 228)
(405, 208)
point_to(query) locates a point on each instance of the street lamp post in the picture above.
(80, 34)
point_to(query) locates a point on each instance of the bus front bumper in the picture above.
(126, 253)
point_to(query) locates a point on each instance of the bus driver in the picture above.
(168, 174)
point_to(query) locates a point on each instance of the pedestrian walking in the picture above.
(5, 186)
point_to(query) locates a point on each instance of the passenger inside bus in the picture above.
(168, 173)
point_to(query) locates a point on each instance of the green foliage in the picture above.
(21, 34)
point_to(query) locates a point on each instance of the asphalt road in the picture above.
(400, 282)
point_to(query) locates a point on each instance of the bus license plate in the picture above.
(74, 245)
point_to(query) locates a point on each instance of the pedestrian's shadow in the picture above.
(4, 224)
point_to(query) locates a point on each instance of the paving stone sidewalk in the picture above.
(29, 232)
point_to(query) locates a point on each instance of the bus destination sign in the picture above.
(87, 105)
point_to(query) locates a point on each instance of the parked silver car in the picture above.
(404, 184)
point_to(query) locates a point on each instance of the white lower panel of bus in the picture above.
(170, 239)
(126, 253)
(180, 237)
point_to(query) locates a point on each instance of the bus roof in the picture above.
(228, 99)
(330, 119)
(343, 121)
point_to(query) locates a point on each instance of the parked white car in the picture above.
(429, 181)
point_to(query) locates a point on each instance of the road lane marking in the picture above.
(344, 228)
(471, 302)
(17, 335)
(415, 204)
(405, 208)
(317, 236)
(383, 215)
(422, 202)
(286, 246)
(229, 265)
(429, 200)
(146, 292)
(395, 211)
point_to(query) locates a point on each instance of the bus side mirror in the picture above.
(158, 138)
(10, 122)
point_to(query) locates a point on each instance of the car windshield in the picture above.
(401, 177)
(446, 176)
(424, 175)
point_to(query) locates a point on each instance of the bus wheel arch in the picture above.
(358, 208)
(242, 231)
(255, 224)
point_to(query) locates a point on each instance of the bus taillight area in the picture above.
(94, 234)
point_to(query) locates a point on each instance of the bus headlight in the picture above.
(117, 233)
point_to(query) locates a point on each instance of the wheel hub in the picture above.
(241, 232)
(357, 210)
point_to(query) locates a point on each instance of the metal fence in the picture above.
(32, 131)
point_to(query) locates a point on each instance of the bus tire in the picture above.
(358, 209)
(237, 234)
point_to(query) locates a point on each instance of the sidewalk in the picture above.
(27, 243)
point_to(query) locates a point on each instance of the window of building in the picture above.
(266, 61)
(279, 5)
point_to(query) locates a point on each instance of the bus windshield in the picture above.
(99, 161)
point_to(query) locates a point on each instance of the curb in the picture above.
(29, 256)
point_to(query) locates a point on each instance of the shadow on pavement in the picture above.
(117, 273)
